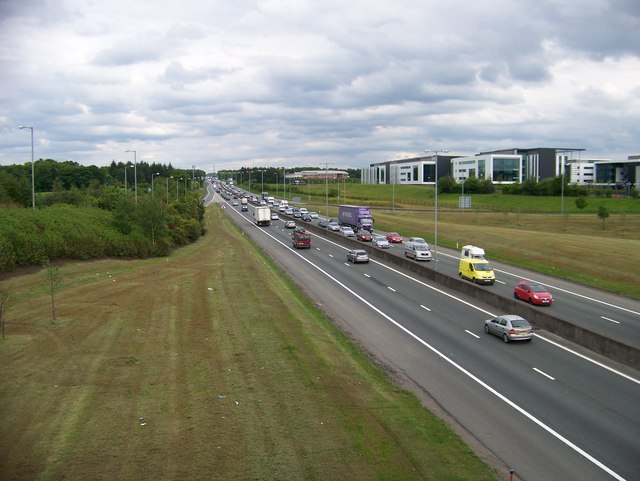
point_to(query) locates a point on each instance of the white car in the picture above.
(314, 215)
(281, 208)
(381, 241)
(333, 226)
(303, 210)
(274, 216)
(347, 231)
(288, 211)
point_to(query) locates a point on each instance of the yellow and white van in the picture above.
(476, 270)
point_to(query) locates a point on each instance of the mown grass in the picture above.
(209, 364)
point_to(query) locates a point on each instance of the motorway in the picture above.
(547, 409)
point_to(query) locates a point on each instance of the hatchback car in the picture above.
(394, 238)
(288, 211)
(323, 223)
(364, 236)
(290, 224)
(297, 214)
(347, 231)
(381, 241)
(306, 218)
(333, 226)
(274, 216)
(533, 293)
(314, 215)
(509, 327)
(357, 255)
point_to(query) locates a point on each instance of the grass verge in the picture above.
(209, 364)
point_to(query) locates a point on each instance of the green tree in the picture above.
(581, 202)
(603, 213)
(153, 219)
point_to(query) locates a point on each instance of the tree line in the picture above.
(90, 213)
(52, 176)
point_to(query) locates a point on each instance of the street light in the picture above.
(33, 178)
(168, 188)
(135, 173)
(262, 172)
(152, 174)
(435, 236)
(326, 188)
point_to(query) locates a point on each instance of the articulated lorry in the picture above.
(262, 215)
(355, 216)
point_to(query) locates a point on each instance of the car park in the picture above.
(532, 293)
(357, 255)
(394, 238)
(509, 327)
(289, 224)
(364, 235)
(274, 216)
(333, 226)
(381, 241)
(347, 231)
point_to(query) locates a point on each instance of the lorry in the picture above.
(301, 240)
(355, 216)
(262, 215)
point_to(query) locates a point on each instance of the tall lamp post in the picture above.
(435, 236)
(167, 189)
(33, 177)
(152, 174)
(326, 188)
(135, 174)
(262, 172)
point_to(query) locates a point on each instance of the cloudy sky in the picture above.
(230, 83)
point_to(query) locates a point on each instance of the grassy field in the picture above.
(525, 230)
(208, 364)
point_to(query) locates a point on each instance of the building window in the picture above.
(428, 173)
(506, 169)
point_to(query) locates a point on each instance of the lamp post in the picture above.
(168, 189)
(125, 178)
(284, 183)
(435, 236)
(33, 178)
(326, 189)
(262, 172)
(135, 174)
(152, 174)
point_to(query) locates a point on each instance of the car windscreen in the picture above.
(519, 323)
(483, 266)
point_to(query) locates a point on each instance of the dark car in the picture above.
(323, 224)
(357, 255)
(364, 236)
(533, 293)
(306, 218)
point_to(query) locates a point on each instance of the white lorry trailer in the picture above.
(262, 215)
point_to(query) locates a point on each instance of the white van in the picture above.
(472, 252)
(418, 252)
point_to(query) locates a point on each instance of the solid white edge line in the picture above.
(586, 358)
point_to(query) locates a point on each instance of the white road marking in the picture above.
(544, 374)
(610, 320)
(367, 275)
(391, 288)
(474, 335)
(425, 308)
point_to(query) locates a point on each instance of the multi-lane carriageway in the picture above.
(548, 409)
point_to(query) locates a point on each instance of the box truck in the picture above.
(262, 215)
(355, 216)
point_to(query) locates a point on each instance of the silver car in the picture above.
(333, 226)
(357, 255)
(347, 231)
(381, 241)
(509, 327)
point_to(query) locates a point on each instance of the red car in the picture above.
(364, 236)
(533, 293)
(394, 238)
